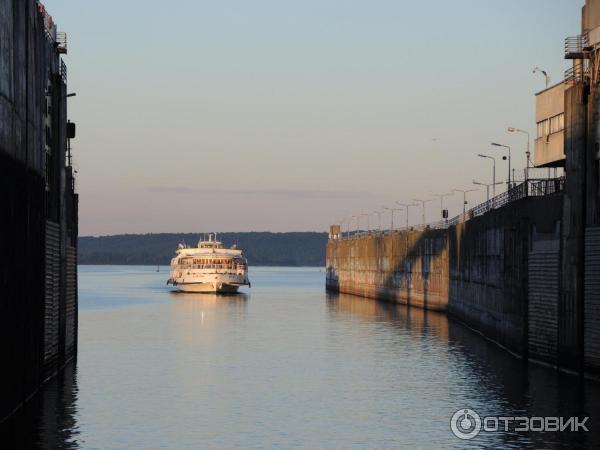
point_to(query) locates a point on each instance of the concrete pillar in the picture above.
(593, 147)
(570, 311)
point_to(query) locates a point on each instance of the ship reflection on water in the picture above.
(159, 369)
(195, 308)
(194, 301)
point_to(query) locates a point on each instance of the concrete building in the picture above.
(550, 103)
(550, 120)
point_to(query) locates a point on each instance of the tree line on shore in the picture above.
(260, 248)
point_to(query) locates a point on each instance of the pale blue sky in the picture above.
(284, 116)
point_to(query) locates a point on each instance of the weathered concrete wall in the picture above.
(409, 268)
(27, 62)
(477, 270)
(38, 297)
(571, 303)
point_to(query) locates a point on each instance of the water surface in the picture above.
(282, 365)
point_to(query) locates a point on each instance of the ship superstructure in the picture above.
(208, 267)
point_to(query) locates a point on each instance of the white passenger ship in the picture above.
(208, 267)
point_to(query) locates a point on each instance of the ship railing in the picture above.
(208, 266)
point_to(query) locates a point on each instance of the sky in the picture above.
(275, 115)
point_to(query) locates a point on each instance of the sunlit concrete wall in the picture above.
(409, 267)
(549, 141)
(476, 271)
(590, 15)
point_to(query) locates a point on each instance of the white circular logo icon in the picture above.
(465, 424)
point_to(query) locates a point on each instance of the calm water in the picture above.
(283, 366)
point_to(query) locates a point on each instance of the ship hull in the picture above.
(207, 287)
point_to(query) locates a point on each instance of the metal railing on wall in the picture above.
(527, 189)
(577, 72)
(530, 188)
(63, 71)
(543, 173)
(576, 45)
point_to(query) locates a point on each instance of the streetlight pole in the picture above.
(392, 214)
(487, 185)
(441, 197)
(494, 173)
(527, 153)
(406, 206)
(464, 192)
(495, 144)
(347, 220)
(379, 217)
(423, 206)
(357, 224)
(543, 72)
(340, 222)
(368, 221)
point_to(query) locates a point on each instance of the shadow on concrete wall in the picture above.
(408, 268)
(476, 270)
(21, 283)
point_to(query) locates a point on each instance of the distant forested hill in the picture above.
(260, 248)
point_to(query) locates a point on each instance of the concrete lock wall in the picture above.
(409, 268)
(477, 270)
(38, 226)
